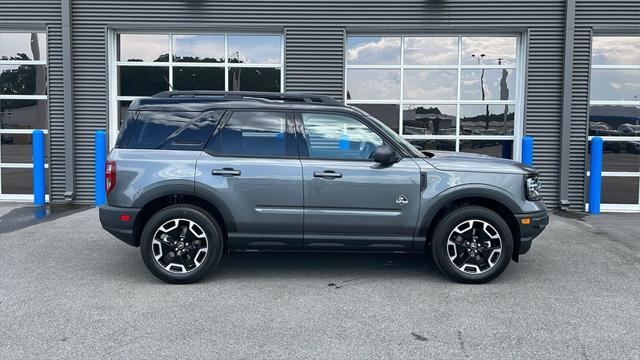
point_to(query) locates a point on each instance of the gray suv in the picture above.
(195, 174)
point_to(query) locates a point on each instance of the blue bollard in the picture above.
(595, 177)
(38, 168)
(100, 161)
(527, 150)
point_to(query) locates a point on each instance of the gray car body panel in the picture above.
(278, 203)
(360, 210)
(266, 199)
(444, 187)
(146, 174)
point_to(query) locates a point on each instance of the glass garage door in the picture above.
(23, 108)
(456, 93)
(144, 64)
(614, 115)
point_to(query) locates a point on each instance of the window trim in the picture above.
(611, 206)
(113, 64)
(303, 144)
(290, 138)
(519, 92)
(43, 97)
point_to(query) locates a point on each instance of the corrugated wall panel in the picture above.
(311, 28)
(610, 13)
(314, 59)
(579, 111)
(543, 106)
(37, 11)
(56, 115)
(90, 107)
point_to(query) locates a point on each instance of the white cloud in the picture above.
(373, 84)
(616, 50)
(431, 50)
(143, 46)
(376, 51)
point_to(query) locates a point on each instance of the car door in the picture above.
(350, 201)
(250, 170)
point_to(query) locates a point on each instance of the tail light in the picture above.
(110, 175)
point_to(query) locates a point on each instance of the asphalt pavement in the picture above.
(70, 290)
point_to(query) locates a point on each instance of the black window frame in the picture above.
(291, 148)
(303, 143)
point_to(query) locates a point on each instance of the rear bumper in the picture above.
(110, 218)
(539, 220)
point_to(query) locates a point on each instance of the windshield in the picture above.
(392, 134)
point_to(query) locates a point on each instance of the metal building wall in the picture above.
(314, 59)
(313, 50)
(314, 39)
(579, 118)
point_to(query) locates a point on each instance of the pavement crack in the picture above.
(419, 337)
(461, 344)
(349, 282)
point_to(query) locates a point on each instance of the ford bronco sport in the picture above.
(194, 174)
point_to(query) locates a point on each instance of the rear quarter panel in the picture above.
(142, 174)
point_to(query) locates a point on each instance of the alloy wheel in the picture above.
(474, 246)
(180, 246)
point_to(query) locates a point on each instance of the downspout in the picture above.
(67, 81)
(567, 87)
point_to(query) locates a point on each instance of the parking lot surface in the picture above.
(70, 290)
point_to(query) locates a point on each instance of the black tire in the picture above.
(440, 250)
(208, 225)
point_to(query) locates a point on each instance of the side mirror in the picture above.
(384, 155)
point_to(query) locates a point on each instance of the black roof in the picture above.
(202, 100)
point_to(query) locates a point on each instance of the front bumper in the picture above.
(111, 220)
(528, 232)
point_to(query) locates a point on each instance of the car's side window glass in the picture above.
(254, 133)
(333, 136)
(151, 128)
(195, 134)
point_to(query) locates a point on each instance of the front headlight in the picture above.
(532, 187)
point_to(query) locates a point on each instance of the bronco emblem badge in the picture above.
(401, 200)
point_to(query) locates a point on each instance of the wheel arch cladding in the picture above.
(216, 210)
(489, 197)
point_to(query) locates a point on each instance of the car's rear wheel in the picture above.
(181, 244)
(472, 244)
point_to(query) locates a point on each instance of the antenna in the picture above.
(167, 81)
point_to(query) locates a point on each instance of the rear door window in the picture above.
(256, 134)
(173, 130)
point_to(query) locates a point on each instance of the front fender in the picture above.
(436, 203)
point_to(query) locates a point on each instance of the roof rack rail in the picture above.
(252, 95)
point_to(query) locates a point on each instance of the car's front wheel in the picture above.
(181, 244)
(472, 244)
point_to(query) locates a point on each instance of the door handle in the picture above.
(226, 172)
(329, 174)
